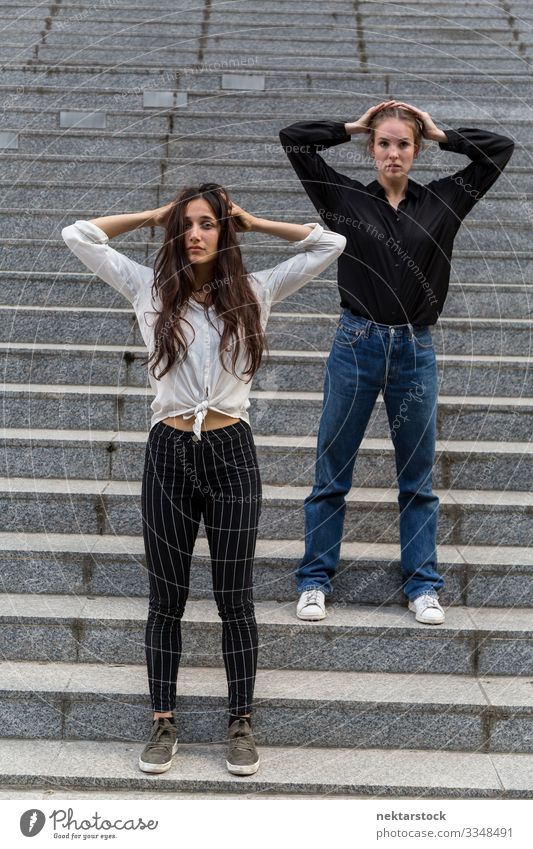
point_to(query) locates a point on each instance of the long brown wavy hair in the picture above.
(230, 291)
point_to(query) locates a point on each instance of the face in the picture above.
(201, 232)
(393, 148)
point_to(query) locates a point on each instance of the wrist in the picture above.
(257, 224)
(353, 127)
(438, 136)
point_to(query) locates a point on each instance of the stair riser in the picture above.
(364, 521)
(124, 90)
(303, 334)
(42, 112)
(278, 175)
(293, 466)
(474, 267)
(470, 377)
(203, 719)
(364, 582)
(377, 58)
(294, 647)
(268, 416)
(489, 301)
(97, 143)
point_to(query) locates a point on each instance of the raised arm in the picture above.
(489, 154)
(319, 249)
(301, 143)
(89, 241)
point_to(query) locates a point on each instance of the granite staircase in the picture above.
(111, 107)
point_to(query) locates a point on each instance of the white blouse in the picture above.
(199, 383)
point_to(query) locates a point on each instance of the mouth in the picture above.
(196, 250)
(394, 166)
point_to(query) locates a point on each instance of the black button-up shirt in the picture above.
(396, 265)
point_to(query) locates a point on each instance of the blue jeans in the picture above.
(399, 361)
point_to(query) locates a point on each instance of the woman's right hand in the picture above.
(160, 215)
(362, 124)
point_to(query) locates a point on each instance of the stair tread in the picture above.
(390, 618)
(293, 769)
(275, 684)
(265, 548)
(358, 494)
(373, 444)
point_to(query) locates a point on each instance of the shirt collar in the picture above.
(375, 188)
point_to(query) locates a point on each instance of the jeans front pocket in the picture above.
(348, 336)
(422, 336)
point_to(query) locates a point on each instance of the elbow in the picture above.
(67, 234)
(284, 138)
(341, 243)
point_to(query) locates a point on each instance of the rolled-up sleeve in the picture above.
(319, 249)
(91, 245)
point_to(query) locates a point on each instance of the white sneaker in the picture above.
(427, 610)
(312, 605)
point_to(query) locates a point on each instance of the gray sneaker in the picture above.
(242, 754)
(162, 745)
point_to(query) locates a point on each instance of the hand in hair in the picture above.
(243, 220)
(160, 215)
(429, 128)
(362, 125)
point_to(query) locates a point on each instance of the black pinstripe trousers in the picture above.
(184, 480)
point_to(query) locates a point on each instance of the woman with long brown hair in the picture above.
(203, 318)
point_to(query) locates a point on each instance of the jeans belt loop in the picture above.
(411, 332)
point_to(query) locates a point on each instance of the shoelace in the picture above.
(242, 739)
(311, 596)
(431, 601)
(159, 732)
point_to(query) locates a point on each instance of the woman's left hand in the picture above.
(430, 129)
(242, 219)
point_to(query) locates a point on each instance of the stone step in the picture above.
(291, 371)
(475, 235)
(368, 573)
(113, 455)
(472, 641)
(254, 134)
(273, 171)
(126, 110)
(377, 60)
(242, 110)
(497, 299)
(77, 766)
(233, 23)
(286, 330)
(501, 222)
(373, 29)
(112, 407)
(68, 701)
(466, 517)
(125, 86)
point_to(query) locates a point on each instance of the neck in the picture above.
(203, 275)
(393, 188)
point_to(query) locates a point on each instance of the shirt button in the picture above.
(397, 219)
(396, 265)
